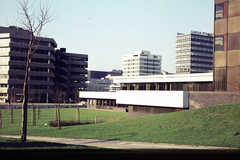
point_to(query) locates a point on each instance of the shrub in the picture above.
(71, 123)
(63, 123)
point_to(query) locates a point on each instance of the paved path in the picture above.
(119, 144)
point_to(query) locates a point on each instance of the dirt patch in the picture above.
(237, 134)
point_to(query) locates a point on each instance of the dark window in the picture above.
(219, 43)
(220, 11)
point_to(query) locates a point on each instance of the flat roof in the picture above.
(192, 77)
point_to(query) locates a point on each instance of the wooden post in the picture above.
(11, 115)
(77, 115)
(59, 122)
(38, 112)
(0, 117)
(33, 117)
(95, 119)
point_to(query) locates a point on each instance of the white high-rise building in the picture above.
(141, 63)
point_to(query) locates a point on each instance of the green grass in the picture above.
(47, 115)
(13, 144)
(213, 126)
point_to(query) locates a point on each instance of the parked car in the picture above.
(82, 104)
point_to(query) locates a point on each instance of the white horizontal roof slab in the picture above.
(97, 95)
(194, 77)
(177, 99)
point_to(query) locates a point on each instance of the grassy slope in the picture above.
(214, 126)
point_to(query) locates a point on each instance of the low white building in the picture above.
(144, 95)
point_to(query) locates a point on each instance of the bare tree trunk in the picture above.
(55, 112)
(59, 125)
(0, 117)
(24, 103)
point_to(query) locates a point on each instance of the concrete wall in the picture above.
(138, 111)
(174, 99)
(206, 99)
(196, 100)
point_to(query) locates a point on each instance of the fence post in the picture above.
(33, 117)
(11, 115)
(77, 115)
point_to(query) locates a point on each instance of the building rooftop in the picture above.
(193, 77)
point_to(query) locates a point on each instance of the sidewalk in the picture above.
(120, 144)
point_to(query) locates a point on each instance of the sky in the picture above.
(106, 30)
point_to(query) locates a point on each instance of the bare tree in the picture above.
(32, 19)
(58, 96)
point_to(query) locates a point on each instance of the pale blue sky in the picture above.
(108, 29)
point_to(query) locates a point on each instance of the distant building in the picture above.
(13, 58)
(102, 74)
(71, 72)
(47, 67)
(141, 63)
(194, 52)
(101, 81)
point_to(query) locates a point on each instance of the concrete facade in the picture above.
(141, 63)
(71, 72)
(13, 58)
(47, 67)
(226, 45)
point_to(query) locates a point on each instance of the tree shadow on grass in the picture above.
(17, 144)
(121, 136)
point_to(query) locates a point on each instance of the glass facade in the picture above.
(194, 53)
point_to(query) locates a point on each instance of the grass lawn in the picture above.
(213, 126)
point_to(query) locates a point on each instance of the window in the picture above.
(38, 87)
(219, 43)
(17, 68)
(37, 60)
(3, 85)
(3, 76)
(220, 11)
(4, 67)
(4, 49)
(36, 69)
(4, 58)
(5, 40)
(17, 77)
